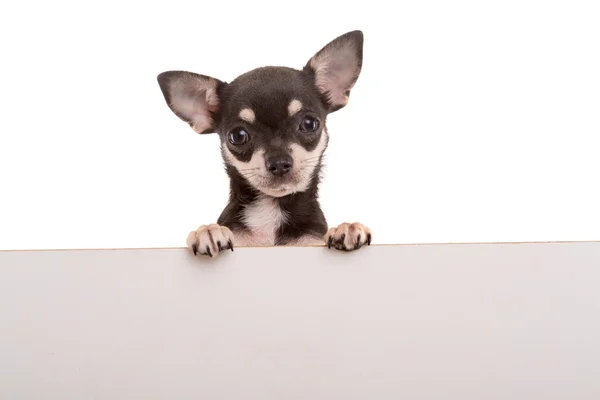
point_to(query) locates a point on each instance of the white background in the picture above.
(471, 121)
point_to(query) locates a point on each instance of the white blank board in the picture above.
(468, 321)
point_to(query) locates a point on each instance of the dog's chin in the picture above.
(281, 187)
(278, 192)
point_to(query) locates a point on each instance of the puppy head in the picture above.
(271, 120)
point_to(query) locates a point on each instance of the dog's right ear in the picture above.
(192, 97)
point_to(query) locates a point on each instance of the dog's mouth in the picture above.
(279, 186)
(278, 192)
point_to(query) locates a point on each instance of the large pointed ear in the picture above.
(192, 97)
(336, 68)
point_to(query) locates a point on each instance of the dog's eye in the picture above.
(238, 136)
(309, 124)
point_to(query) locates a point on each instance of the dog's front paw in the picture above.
(210, 240)
(348, 236)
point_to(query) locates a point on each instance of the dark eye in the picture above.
(238, 136)
(309, 124)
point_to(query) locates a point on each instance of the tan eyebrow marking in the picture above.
(247, 115)
(294, 106)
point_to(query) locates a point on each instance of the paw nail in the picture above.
(369, 239)
(230, 245)
(208, 251)
(357, 245)
(195, 249)
(330, 242)
(219, 245)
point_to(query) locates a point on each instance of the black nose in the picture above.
(279, 165)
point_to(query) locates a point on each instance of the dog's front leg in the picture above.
(210, 240)
(348, 236)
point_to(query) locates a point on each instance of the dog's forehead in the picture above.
(271, 95)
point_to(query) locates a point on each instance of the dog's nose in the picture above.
(279, 165)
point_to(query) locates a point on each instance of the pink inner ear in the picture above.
(194, 99)
(335, 72)
(202, 123)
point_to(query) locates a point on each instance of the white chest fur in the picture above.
(263, 217)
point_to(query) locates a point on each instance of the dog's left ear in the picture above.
(336, 68)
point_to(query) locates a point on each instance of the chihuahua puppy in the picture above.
(271, 124)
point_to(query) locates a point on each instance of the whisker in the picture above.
(310, 164)
(311, 158)
(315, 159)
(304, 171)
(248, 173)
